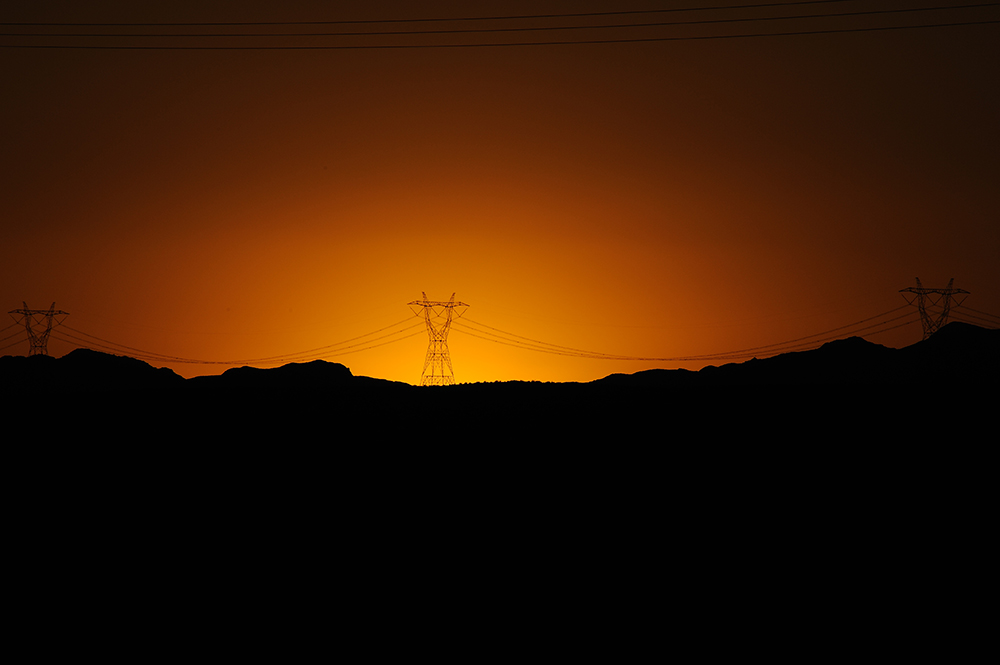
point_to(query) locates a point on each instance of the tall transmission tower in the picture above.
(38, 323)
(438, 316)
(934, 304)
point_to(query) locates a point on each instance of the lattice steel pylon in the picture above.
(931, 299)
(39, 340)
(438, 316)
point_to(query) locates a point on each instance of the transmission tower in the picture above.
(932, 299)
(438, 315)
(38, 323)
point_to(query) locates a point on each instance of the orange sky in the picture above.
(655, 199)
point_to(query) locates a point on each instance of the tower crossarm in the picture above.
(942, 292)
(437, 303)
(32, 312)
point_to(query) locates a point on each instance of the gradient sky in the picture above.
(648, 199)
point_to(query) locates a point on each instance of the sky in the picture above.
(656, 200)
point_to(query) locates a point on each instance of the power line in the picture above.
(15, 343)
(275, 360)
(877, 324)
(637, 40)
(535, 341)
(442, 19)
(755, 348)
(13, 334)
(745, 351)
(974, 320)
(114, 346)
(372, 346)
(815, 343)
(327, 348)
(769, 349)
(498, 30)
(340, 348)
(722, 356)
(18, 334)
(826, 333)
(966, 308)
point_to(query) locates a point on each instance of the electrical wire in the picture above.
(391, 341)
(816, 343)
(707, 357)
(14, 334)
(339, 349)
(985, 314)
(329, 350)
(271, 362)
(79, 342)
(826, 333)
(299, 353)
(636, 40)
(107, 344)
(877, 324)
(459, 31)
(12, 344)
(538, 342)
(814, 340)
(446, 19)
(973, 319)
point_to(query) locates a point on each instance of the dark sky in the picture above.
(652, 199)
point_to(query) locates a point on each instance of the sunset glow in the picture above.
(653, 200)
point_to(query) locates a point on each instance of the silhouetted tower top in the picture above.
(38, 337)
(437, 303)
(934, 305)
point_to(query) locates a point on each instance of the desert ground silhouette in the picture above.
(844, 381)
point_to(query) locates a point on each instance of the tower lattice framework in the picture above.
(438, 315)
(934, 305)
(38, 323)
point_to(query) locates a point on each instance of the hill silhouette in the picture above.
(959, 352)
(127, 393)
(850, 443)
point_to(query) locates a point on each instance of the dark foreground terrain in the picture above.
(848, 385)
(807, 503)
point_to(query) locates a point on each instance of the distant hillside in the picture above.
(959, 352)
(858, 379)
(82, 370)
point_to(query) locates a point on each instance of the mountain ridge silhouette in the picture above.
(843, 390)
(659, 441)
(957, 352)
